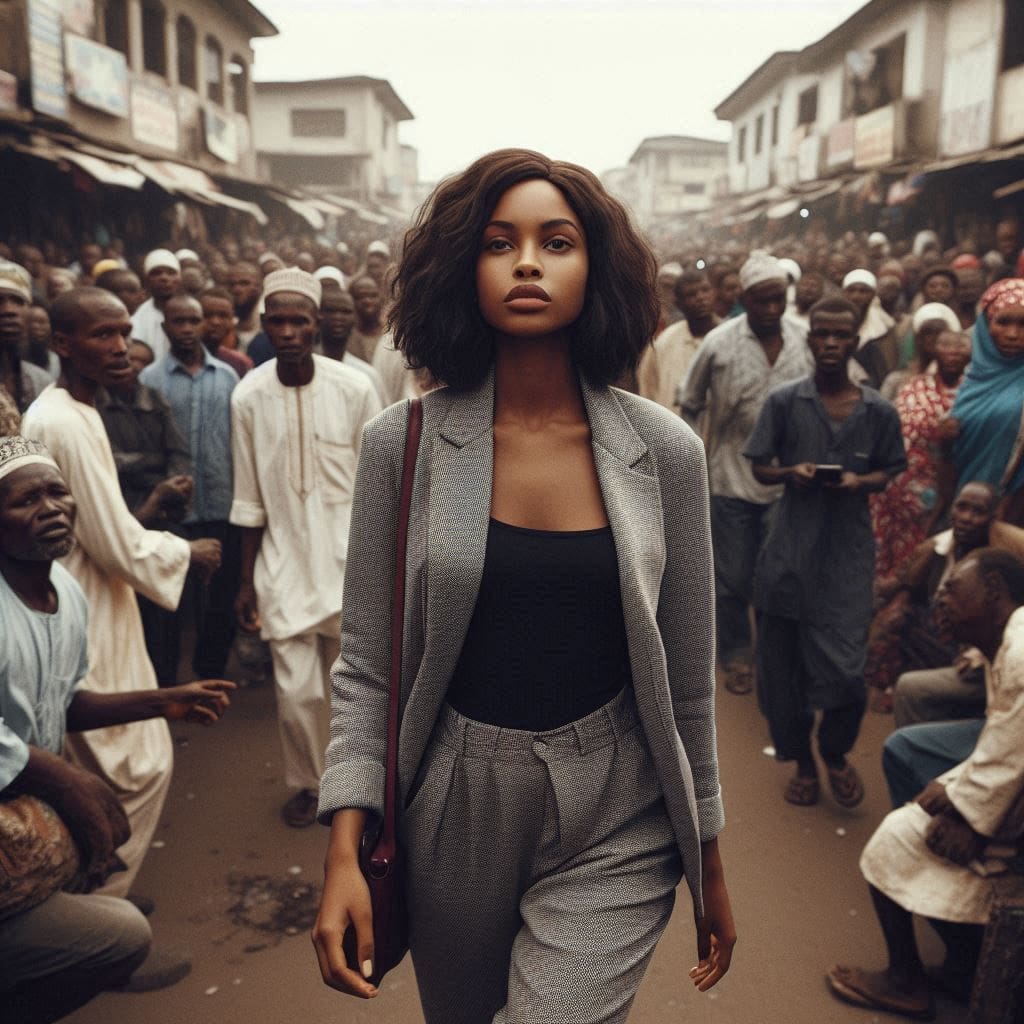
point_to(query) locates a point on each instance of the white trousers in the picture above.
(302, 669)
(137, 761)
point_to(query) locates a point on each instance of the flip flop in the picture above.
(801, 791)
(845, 989)
(739, 679)
(846, 785)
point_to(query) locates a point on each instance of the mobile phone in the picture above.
(827, 474)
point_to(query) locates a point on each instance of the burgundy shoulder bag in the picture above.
(380, 859)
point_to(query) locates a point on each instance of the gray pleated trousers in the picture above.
(542, 870)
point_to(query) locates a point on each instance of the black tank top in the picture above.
(547, 641)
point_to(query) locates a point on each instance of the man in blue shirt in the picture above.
(831, 443)
(198, 389)
(60, 951)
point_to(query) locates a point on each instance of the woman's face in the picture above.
(952, 353)
(1007, 328)
(938, 288)
(531, 274)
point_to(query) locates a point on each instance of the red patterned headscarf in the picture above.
(1002, 295)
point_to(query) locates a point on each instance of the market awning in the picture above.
(372, 218)
(1009, 190)
(306, 210)
(214, 198)
(783, 209)
(104, 171)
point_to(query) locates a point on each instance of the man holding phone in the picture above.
(831, 443)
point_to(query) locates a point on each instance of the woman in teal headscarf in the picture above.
(987, 411)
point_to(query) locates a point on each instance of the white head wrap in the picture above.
(761, 266)
(935, 311)
(294, 280)
(861, 276)
(160, 258)
(877, 238)
(15, 278)
(187, 254)
(330, 274)
(792, 269)
(378, 246)
(674, 268)
(17, 452)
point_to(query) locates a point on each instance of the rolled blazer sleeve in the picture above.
(686, 616)
(355, 761)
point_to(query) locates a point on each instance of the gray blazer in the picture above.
(654, 483)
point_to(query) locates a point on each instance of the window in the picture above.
(807, 106)
(213, 68)
(758, 134)
(694, 188)
(329, 122)
(742, 146)
(239, 85)
(874, 78)
(115, 25)
(775, 125)
(154, 45)
(1013, 35)
(186, 33)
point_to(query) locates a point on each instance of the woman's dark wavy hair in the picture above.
(436, 320)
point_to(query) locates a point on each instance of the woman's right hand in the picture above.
(345, 901)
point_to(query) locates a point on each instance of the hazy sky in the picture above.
(580, 80)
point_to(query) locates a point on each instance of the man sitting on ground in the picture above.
(940, 855)
(58, 954)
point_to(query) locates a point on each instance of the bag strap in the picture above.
(388, 838)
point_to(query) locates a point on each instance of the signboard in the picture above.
(221, 136)
(97, 74)
(839, 151)
(809, 159)
(154, 116)
(968, 91)
(1011, 106)
(874, 138)
(46, 57)
(8, 91)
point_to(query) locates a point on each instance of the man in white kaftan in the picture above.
(296, 426)
(115, 556)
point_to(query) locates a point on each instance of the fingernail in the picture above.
(367, 968)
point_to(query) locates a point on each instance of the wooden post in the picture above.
(998, 993)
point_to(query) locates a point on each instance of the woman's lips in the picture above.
(528, 291)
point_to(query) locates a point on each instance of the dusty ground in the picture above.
(237, 888)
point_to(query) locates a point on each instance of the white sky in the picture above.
(579, 80)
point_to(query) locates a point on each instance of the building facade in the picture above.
(899, 87)
(167, 79)
(672, 175)
(335, 136)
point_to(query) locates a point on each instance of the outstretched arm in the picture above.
(204, 701)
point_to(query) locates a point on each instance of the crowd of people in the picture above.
(179, 435)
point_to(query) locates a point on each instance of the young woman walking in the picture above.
(557, 753)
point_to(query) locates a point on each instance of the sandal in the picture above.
(802, 791)
(846, 785)
(739, 679)
(860, 988)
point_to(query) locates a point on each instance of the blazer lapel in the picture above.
(461, 471)
(632, 499)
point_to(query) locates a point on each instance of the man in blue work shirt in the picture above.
(198, 389)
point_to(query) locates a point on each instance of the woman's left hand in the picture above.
(716, 933)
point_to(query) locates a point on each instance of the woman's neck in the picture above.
(535, 381)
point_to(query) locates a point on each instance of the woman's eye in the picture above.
(559, 244)
(499, 245)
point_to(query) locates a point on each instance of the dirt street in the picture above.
(237, 888)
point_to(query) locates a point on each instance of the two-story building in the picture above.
(673, 175)
(152, 97)
(336, 136)
(901, 92)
